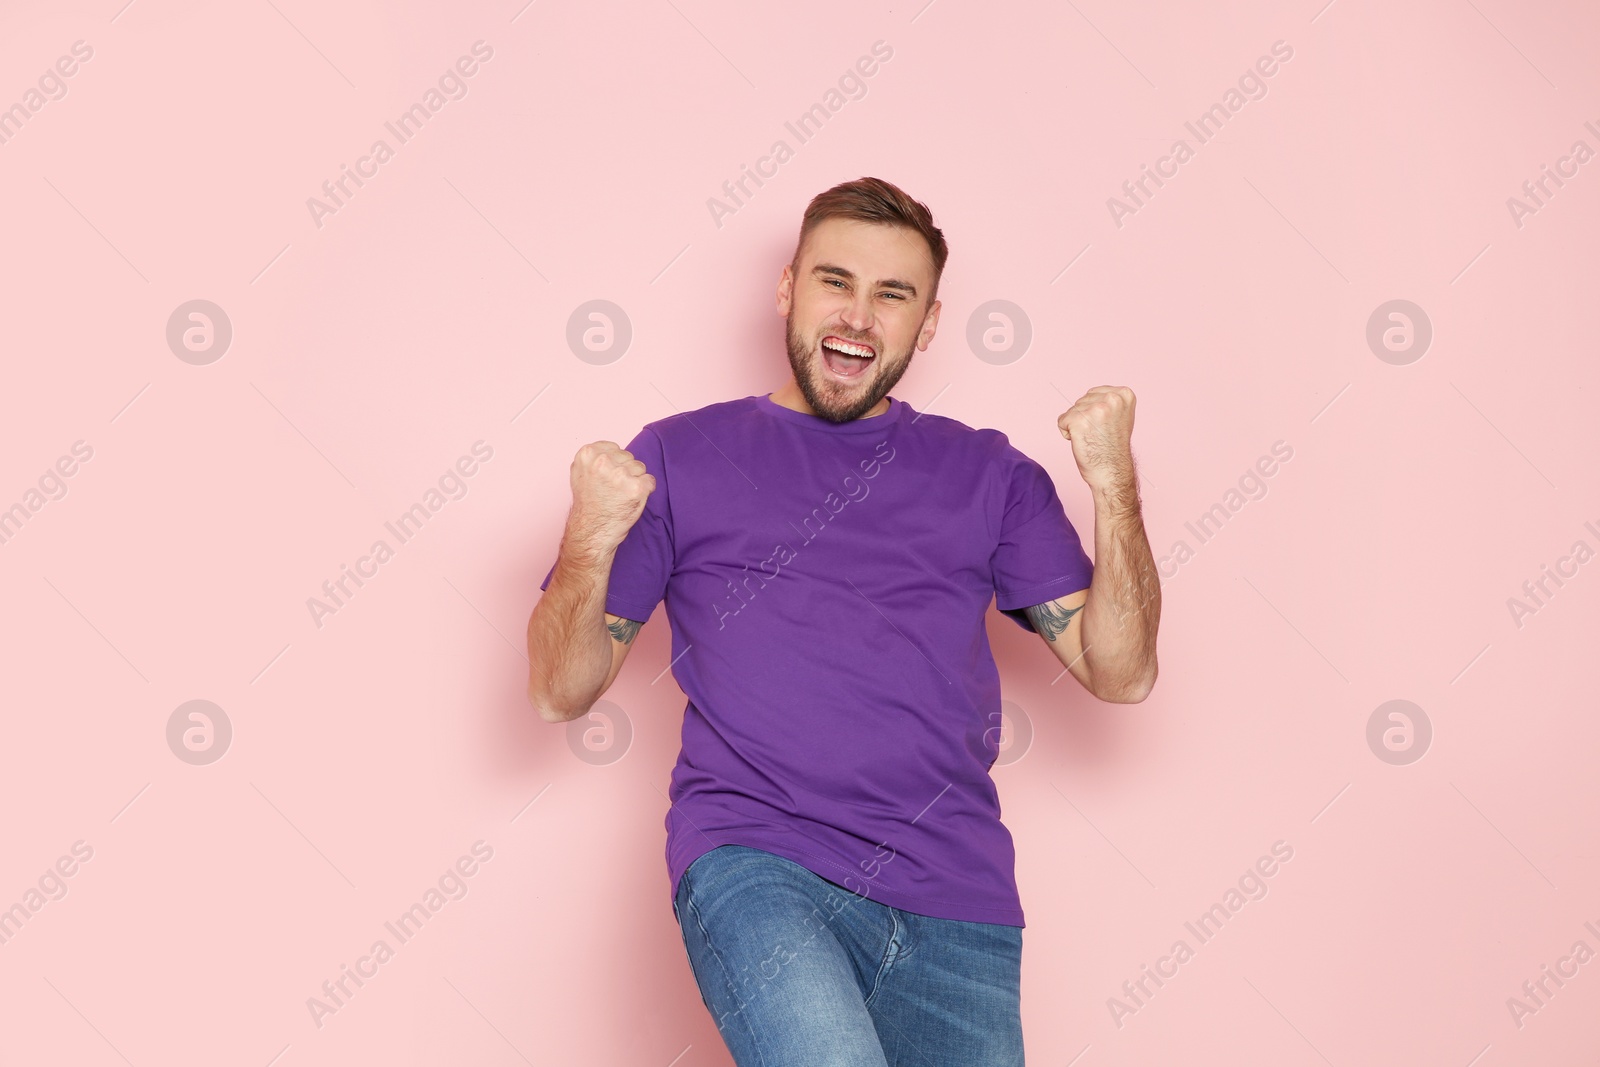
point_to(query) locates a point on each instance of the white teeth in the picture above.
(850, 349)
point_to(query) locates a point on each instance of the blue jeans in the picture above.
(801, 972)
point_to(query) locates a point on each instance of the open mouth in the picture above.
(846, 359)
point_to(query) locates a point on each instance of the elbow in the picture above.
(549, 710)
(539, 704)
(1137, 696)
(541, 698)
(554, 699)
(1129, 692)
(554, 715)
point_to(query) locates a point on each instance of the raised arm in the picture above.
(576, 648)
(1106, 634)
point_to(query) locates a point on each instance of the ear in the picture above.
(930, 325)
(785, 291)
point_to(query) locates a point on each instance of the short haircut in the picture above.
(875, 200)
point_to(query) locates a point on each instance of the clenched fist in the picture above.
(1100, 426)
(609, 488)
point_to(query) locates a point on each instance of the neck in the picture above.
(790, 396)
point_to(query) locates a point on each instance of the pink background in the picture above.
(430, 311)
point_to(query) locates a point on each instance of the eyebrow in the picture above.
(849, 276)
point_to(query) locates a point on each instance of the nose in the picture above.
(858, 313)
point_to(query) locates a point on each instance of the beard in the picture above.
(836, 401)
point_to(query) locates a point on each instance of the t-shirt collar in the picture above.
(874, 424)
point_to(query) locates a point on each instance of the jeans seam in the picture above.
(726, 974)
(890, 951)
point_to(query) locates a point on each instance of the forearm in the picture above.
(569, 646)
(1123, 608)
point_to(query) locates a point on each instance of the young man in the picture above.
(839, 871)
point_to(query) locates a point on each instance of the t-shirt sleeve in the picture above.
(643, 561)
(1039, 556)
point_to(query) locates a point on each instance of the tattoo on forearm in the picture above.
(624, 629)
(1050, 620)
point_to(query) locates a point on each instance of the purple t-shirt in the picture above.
(826, 587)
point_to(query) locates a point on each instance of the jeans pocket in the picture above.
(716, 865)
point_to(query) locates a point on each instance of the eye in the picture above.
(831, 281)
(897, 296)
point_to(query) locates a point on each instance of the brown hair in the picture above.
(875, 200)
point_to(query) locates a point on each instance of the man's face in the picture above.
(862, 284)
